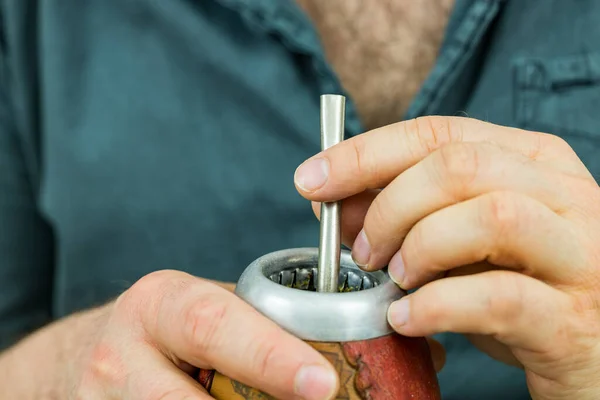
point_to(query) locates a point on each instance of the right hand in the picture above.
(169, 322)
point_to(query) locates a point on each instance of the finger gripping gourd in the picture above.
(372, 361)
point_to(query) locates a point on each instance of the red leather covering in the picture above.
(205, 377)
(393, 367)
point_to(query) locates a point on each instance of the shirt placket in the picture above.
(458, 50)
(285, 21)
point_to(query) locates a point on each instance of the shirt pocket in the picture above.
(561, 95)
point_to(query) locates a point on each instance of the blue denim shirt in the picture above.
(138, 135)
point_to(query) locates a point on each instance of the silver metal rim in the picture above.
(315, 316)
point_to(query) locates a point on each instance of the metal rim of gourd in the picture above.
(281, 286)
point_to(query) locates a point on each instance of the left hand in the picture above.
(500, 227)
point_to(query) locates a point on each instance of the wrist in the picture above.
(45, 364)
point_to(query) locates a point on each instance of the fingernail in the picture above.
(361, 250)
(312, 174)
(315, 382)
(396, 268)
(398, 312)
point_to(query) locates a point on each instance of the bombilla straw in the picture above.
(332, 132)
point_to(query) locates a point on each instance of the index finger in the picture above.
(374, 159)
(204, 325)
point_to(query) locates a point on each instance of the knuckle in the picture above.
(505, 307)
(548, 144)
(146, 297)
(416, 242)
(365, 169)
(418, 248)
(160, 282)
(266, 356)
(140, 289)
(456, 166)
(553, 141)
(103, 367)
(500, 213)
(433, 132)
(538, 145)
(381, 222)
(204, 320)
(105, 364)
(378, 213)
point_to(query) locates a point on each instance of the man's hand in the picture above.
(500, 227)
(148, 343)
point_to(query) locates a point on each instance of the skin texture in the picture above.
(387, 44)
(146, 344)
(498, 227)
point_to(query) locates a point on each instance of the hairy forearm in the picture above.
(42, 366)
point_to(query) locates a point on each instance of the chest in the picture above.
(382, 51)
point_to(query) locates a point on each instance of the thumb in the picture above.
(210, 327)
(161, 379)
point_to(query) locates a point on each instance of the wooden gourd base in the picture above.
(392, 367)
